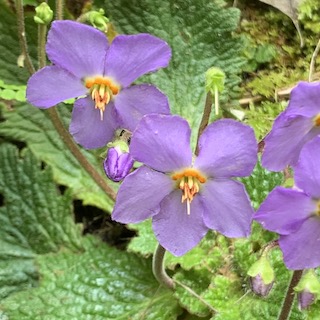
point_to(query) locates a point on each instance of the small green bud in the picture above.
(308, 289)
(44, 14)
(262, 276)
(98, 20)
(215, 79)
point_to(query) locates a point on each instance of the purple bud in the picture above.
(305, 299)
(259, 287)
(117, 164)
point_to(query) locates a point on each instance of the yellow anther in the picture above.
(188, 182)
(102, 90)
(316, 120)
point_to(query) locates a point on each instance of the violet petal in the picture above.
(304, 100)
(162, 142)
(77, 47)
(227, 207)
(284, 210)
(87, 127)
(140, 195)
(285, 141)
(301, 249)
(175, 230)
(307, 171)
(52, 85)
(227, 148)
(129, 57)
(134, 102)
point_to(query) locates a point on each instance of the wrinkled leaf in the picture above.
(98, 283)
(34, 219)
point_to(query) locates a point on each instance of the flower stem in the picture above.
(59, 9)
(22, 36)
(158, 268)
(42, 33)
(205, 119)
(313, 60)
(288, 301)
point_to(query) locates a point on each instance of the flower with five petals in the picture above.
(186, 198)
(84, 64)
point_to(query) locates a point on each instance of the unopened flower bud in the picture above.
(118, 162)
(44, 14)
(98, 20)
(308, 290)
(261, 277)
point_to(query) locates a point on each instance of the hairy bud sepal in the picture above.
(308, 290)
(44, 14)
(261, 277)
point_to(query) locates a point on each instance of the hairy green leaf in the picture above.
(34, 219)
(99, 283)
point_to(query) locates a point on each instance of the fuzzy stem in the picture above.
(313, 60)
(59, 9)
(22, 36)
(205, 119)
(42, 33)
(288, 301)
(159, 270)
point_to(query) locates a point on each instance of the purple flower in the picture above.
(295, 213)
(186, 198)
(85, 65)
(298, 124)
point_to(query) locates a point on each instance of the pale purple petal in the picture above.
(284, 210)
(134, 102)
(52, 85)
(227, 207)
(301, 249)
(132, 56)
(162, 142)
(227, 148)
(285, 141)
(78, 48)
(87, 127)
(304, 100)
(175, 230)
(140, 195)
(307, 171)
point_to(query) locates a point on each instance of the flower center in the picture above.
(316, 120)
(102, 91)
(188, 181)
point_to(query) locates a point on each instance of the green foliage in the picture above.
(260, 183)
(257, 55)
(98, 283)
(309, 15)
(12, 92)
(261, 117)
(200, 35)
(35, 218)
